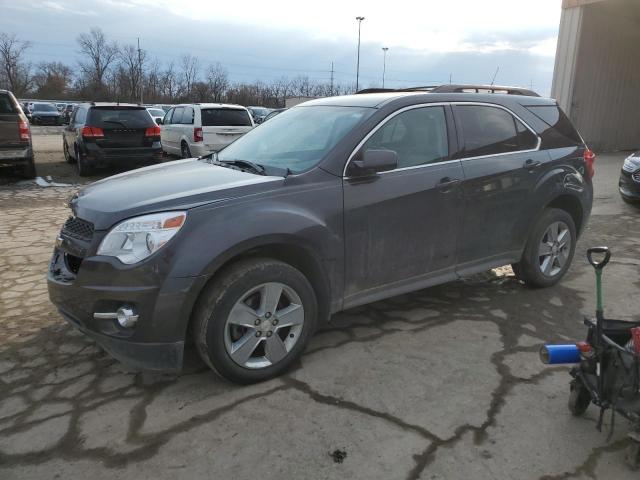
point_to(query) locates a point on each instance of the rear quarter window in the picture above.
(7, 105)
(225, 117)
(119, 118)
(560, 131)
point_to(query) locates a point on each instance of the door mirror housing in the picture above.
(159, 121)
(371, 162)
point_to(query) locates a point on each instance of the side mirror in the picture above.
(372, 162)
(159, 121)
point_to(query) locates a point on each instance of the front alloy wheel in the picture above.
(264, 325)
(554, 249)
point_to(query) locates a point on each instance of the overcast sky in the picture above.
(428, 40)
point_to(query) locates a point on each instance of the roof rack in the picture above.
(461, 88)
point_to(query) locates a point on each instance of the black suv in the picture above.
(104, 134)
(332, 204)
(15, 136)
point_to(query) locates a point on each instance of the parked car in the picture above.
(335, 203)
(61, 106)
(157, 114)
(15, 136)
(193, 130)
(45, 114)
(629, 183)
(66, 113)
(273, 113)
(259, 113)
(105, 134)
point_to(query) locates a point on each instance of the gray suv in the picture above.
(15, 136)
(334, 203)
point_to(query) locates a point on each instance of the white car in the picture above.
(156, 113)
(193, 130)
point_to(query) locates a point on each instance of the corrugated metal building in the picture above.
(596, 78)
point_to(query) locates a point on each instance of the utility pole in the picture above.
(495, 75)
(384, 63)
(331, 88)
(140, 70)
(359, 19)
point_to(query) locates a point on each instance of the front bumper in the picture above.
(629, 187)
(80, 287)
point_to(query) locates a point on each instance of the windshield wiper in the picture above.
(257, 168)
(213, 159)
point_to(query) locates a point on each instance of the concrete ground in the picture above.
(444, 383)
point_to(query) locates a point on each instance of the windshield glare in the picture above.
(296, 139)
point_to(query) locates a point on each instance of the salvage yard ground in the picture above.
(444, 383)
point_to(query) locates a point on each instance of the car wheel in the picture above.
(84, 170)
(29, 170)
(184, 150)
(67, 156)
(255, 320)
(549, 250)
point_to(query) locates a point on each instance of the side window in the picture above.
(167, 117)
(177, 115)
(491, 130)
(418, 136)
(187, 116)
(81, 115)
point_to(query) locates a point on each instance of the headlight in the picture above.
(135, 239)
(631, 163)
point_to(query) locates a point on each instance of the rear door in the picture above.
(123, 127)
(165, 132)
(501, 162)
(401, 226)
(222, 125)
(9, 116)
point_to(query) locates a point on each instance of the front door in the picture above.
(401, 226)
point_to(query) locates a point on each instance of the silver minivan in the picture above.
(193, 130)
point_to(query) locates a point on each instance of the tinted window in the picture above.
(156, 112)
(418, 136)
(187, 116)
(177, 115)
(44, 107)
(561, 127)
(228, 117)
(7, 105)
(491, 130)
(120, 118)
(81, 115)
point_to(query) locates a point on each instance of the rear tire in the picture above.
(549, 249)
(83, 168)
(579, 398)
(29, 170)
(67, 156)
(260, 342)
(184, 150)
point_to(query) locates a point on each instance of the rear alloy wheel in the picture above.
(67, 156)
(549, 250)
(84, 170)
(252, 323)
(184, 150)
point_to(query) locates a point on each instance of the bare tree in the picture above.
(99, 54)
(15, 71)
(52, 80)
(132, 63)
(218, 81)
(189, 65)
(169, 83)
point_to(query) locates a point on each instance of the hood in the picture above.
(45, 114)
(177, 185)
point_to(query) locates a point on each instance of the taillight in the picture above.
(152, 131)
(197, 134)
(589, 161)
(23, 128)
(92, 132)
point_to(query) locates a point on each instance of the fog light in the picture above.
(126, 317)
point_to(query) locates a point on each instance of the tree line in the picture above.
(109, 71)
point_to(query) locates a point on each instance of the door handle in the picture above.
(446, 184)
(530, 164)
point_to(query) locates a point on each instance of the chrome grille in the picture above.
(78, 228)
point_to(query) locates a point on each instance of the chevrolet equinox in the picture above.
(334, 203)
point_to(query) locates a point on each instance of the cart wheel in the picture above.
(579, 398)
(632, 455)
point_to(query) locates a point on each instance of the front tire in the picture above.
(253, 322)
(549, 250)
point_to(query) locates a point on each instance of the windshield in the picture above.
(296, 139)
(156, 112)
(259, 110)
(44, 107)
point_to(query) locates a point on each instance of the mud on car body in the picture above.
(332, 204)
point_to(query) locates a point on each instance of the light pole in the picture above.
(359, 19)
(384, 63)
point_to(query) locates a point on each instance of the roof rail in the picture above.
(461, 88)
